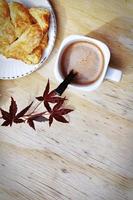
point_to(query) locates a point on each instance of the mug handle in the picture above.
(113, 74)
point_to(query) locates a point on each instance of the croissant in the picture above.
(23, 31)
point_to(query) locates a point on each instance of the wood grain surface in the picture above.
(91, 158)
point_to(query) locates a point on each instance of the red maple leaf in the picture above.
(37, 118)
(57, 113)
(49, 97)
(11, 116)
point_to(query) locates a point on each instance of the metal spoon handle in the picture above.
(68, 79)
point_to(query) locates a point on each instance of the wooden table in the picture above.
(91, 158)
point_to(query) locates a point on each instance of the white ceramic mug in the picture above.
(107, 73)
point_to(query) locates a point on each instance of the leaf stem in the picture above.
(33, 110)
(36, 107)
(35, 115)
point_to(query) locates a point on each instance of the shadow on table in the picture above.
(118, 35)
(59, 19)
(19, 87)
(5, 90)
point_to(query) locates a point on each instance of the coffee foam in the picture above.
(86, 59)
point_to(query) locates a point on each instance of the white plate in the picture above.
(12, 68)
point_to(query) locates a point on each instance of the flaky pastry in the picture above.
(23, 31)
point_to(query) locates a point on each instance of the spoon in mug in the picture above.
(68, 79)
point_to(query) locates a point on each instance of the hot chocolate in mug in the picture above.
(88, 57)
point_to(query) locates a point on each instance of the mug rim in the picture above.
(75, 38)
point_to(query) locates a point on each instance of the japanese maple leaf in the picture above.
(12, 115)
(49, 97)
(37, 118)
(57, 113)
